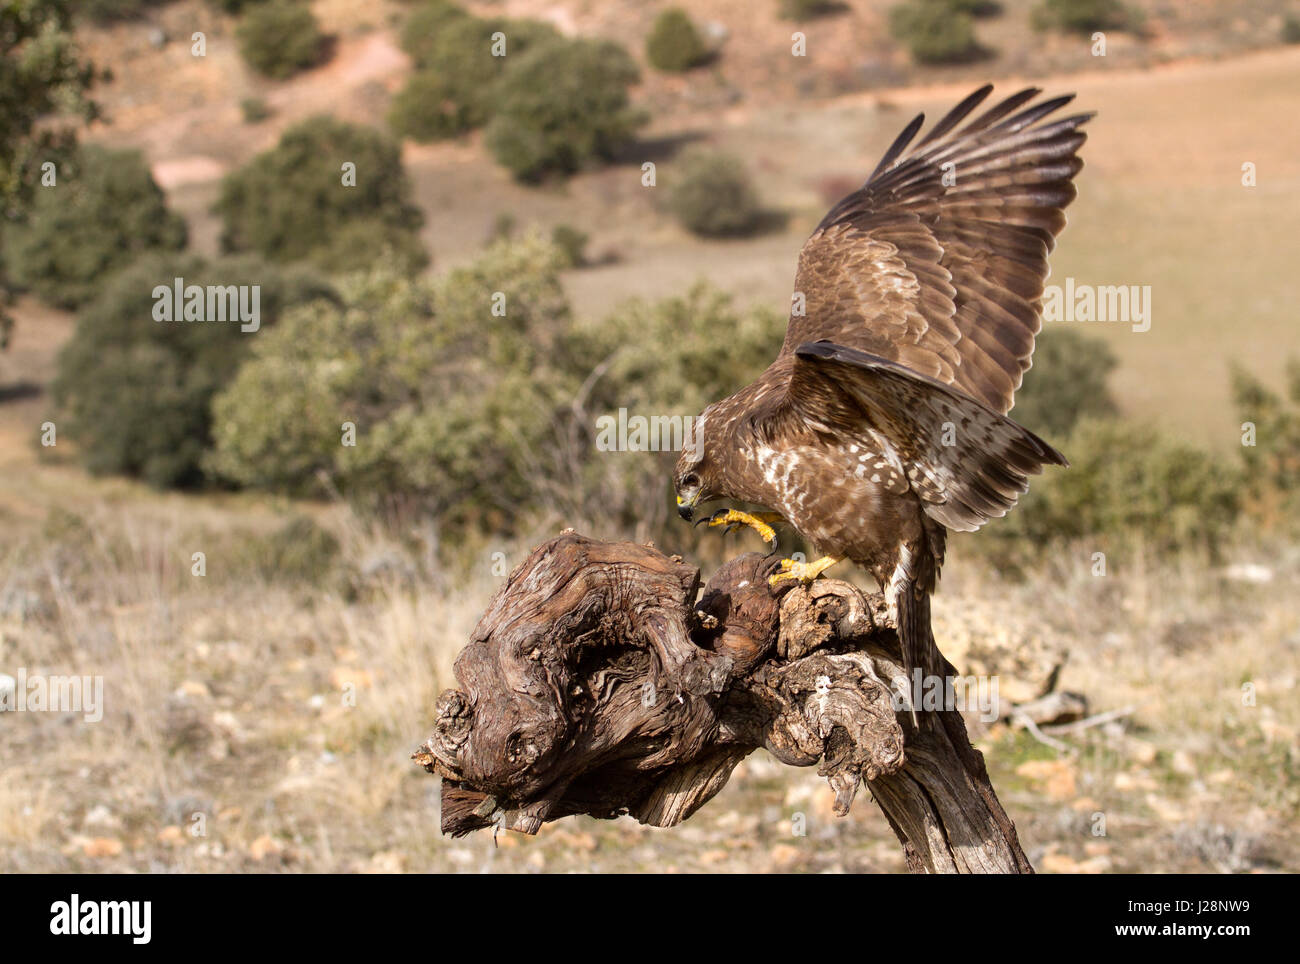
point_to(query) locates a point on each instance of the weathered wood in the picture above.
(596, 683)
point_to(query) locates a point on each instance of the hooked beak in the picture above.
(685, 509)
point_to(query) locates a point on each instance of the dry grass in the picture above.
(284, 712)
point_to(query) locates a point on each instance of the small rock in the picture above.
(265, 846)
(1249, 572)
(783, 855)
(385, 862)
(193, 689)
(98, 847)
(1141, 752)
(1058, 777)
(100, 816)
(342, 676)
(1183, 763)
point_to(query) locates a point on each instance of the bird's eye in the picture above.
(691, 481)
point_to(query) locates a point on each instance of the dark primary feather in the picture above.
(946, 279)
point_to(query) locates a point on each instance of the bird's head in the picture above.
(694, 476)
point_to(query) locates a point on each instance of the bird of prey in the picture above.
(882, 422)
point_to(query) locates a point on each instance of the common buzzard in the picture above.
(882, 423)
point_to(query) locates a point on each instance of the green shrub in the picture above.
(254, 109)
(104, 211)
(460, 66)
(279, 38)
(665, 358)
(712, 194)
(291, 203)
(429, 108)
(674, 44)
(807, 9)
(357, 243)
(1067, 383)
(1291, 29)
(935, 32)
(449, 402)
(1272, 463)
(484, 421)
(1128, 484)
(1080, 16)
(423, 27)
(44, 84)
(134, 394)
(572, 244)
(563, 105)
(234, 6)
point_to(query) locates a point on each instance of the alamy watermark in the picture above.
(1126, 304)
(38, 693)
(181, 302)
(127, 918)
(645, 433)
(976, 695)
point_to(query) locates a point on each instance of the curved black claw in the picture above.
(709, 520)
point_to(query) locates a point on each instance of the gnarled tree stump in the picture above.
(597, 683)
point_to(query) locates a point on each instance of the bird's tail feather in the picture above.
(916, 640)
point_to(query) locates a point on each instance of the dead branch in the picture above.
(597, 683)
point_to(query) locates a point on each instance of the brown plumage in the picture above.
(882, 423)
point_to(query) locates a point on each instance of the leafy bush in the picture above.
(1272, 463)
(460, 61)
(1128, 484)
(291, 203)
(562, 105)
(807, 9)
(1291, 29)
(478, 419)
(449, 402)
(254, 109)
(234, 6)
(429, 108)
(44, 76)
(674, 44)
(1080, 16)
(1067, 383)
(423, 27)
(935, 32)
(101, 214)
(713, 195)
(45, 84)
(133, 393)
(279, 38)
(665, 358)
(572, 244)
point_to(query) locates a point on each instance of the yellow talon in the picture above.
(804, 572)
(760, 522)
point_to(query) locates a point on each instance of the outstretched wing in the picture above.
(938, 262)
(966, 462)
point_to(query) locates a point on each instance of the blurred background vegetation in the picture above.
(488, 425)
